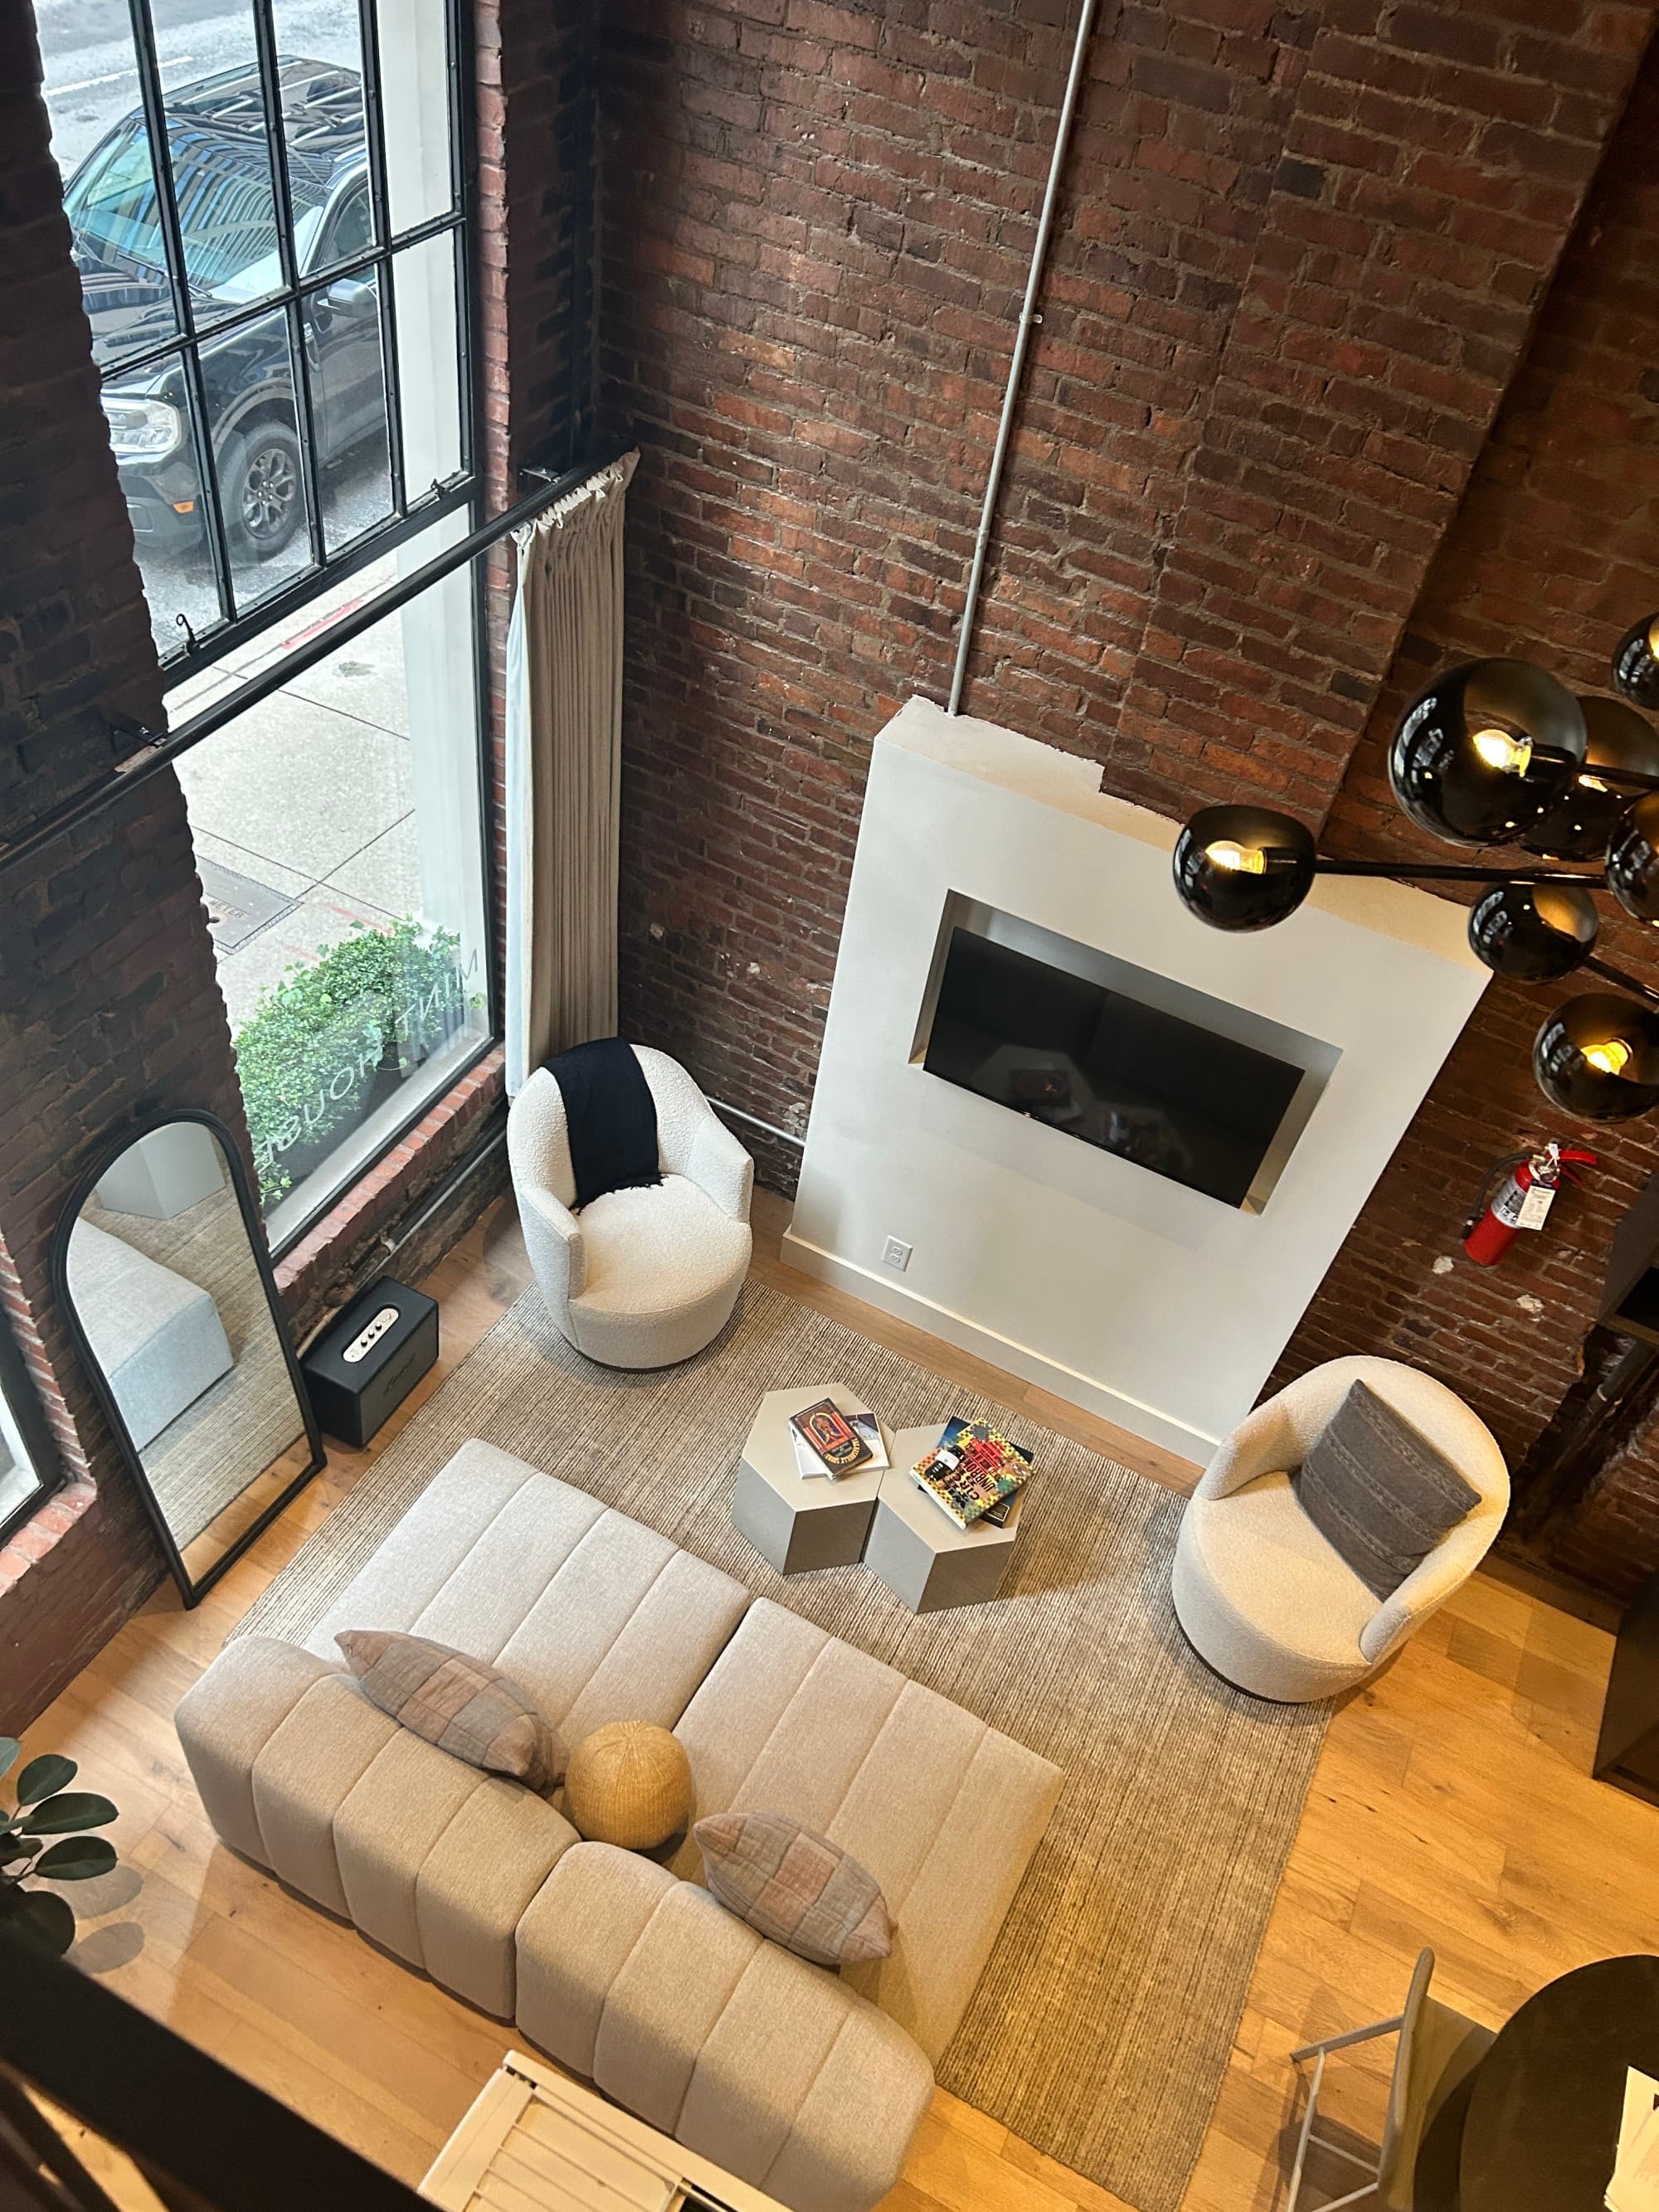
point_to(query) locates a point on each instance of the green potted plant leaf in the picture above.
(47, 1808)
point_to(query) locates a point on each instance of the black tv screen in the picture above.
(1172, 1096)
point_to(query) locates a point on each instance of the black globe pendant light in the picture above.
(1533, 933)
(1243, 867)
(1480, 754)
(1497, 752)
(1597, 1056)
(1636, 662)
(1633, 860)
(1578, 824)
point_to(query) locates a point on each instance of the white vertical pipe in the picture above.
(1022, 340)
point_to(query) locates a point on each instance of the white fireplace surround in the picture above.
(1160, 1308)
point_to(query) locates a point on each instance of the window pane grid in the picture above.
(30, 1469)
(338, 824)
(374, 139)
(166, 203)
(373, 257)
(265, 38)
(235, 209)
(206, 485)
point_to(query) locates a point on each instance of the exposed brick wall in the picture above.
(107, 1002)
(349, 1243)
(538, 211)
(1296, 258)
(1552, 555)
(816, 228)
(1434, 164)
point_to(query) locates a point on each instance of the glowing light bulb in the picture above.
(1591, 783)
(1251, 860)
(1613, 1058)
(1503, 749)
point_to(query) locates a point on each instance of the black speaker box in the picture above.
(368, 1362)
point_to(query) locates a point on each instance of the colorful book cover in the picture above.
(808, 1464)
(831, 1435)
(973, 1470)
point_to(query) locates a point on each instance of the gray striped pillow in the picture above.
(462, 1705)
(797, 1888)
(1379, 1493)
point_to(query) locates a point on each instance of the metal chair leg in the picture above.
(1320, 2050)
(1303, 2139)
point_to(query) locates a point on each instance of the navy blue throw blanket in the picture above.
(610, 1116)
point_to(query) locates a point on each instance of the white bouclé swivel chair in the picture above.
(640, 1278)
(1261, 1596)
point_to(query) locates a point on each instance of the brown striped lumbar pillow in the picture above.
(461, 1705)
(800, 1889)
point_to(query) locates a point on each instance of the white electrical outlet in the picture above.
(895, 1253)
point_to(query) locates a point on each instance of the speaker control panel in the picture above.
(369, 1335)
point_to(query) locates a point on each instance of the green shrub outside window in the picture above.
(331, 1041)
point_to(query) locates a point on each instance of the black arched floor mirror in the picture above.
(160, 1266)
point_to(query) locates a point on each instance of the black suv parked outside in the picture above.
(222, 162)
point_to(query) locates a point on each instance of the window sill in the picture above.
(306, 1272)
(43, 1530)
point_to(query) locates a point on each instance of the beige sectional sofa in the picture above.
(808, 2083)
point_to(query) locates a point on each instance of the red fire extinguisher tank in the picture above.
(1519, 1201)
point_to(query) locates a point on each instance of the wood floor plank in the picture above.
(1452, 1805)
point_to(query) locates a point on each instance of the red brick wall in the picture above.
(1432, 168)
(536, 211)
(1296, 262)
(106, 967)
(1552, 555)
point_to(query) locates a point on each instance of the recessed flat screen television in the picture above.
(1108, 1066)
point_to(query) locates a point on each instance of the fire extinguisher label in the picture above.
(1533, 1210)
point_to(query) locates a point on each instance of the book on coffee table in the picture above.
(973, 1473)
(827, 1431)
(867, 1428)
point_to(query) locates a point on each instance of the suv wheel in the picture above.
(261, 486)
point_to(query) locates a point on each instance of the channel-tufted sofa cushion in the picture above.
(771, 2067)
(792, 1720)
(421, 1851)
(595, 1617)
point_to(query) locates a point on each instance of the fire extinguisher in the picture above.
(1527, 1184)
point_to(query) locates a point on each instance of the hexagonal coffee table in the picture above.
(801, 1522)
(918, 1550)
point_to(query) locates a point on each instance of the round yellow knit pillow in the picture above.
(628, 1783)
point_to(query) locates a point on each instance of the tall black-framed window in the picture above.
(272, 209)
(268, 206)
(30, 1469)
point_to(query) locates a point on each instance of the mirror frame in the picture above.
(191, 1590)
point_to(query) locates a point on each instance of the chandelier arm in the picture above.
(1621, 779)
(1622, 978)
(1436, 874)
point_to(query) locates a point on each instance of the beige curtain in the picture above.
(564, 664)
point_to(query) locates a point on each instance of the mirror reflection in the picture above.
(169, 1293)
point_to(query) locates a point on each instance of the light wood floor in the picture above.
(1451, 1806)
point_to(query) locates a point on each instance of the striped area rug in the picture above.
(1100, 2030)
